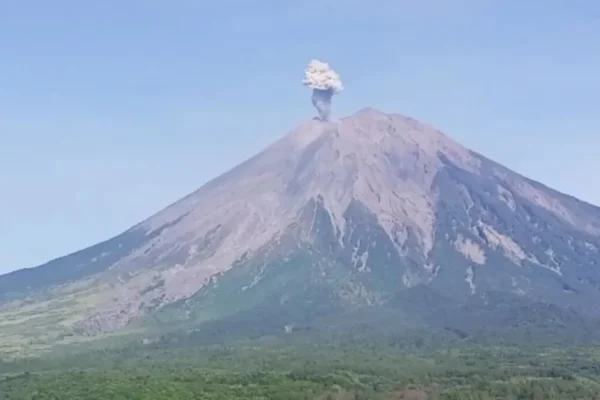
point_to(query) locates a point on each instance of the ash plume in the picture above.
(324, 82)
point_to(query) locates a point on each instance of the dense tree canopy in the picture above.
(368, 370)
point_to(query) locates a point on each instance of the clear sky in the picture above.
(111, 110)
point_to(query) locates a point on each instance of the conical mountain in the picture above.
(374, 211)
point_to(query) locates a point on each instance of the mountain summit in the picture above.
(374, 211)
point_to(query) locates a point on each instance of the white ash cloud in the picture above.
(324, 82)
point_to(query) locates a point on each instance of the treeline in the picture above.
(133, 385)
(367, 371)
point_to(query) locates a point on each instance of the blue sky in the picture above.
(111, 110)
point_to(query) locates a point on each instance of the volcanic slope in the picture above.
(372, 212)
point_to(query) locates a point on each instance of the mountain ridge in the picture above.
(362, 208)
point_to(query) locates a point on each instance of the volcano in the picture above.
(369, 213)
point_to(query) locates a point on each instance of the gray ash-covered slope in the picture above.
(376, 212)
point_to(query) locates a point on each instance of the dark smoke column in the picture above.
(324, 82)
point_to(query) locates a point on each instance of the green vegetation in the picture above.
(274, 369)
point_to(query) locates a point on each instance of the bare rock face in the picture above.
(339, 215)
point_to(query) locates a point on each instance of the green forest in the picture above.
(275, 370)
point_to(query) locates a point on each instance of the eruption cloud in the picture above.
(324, 82)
